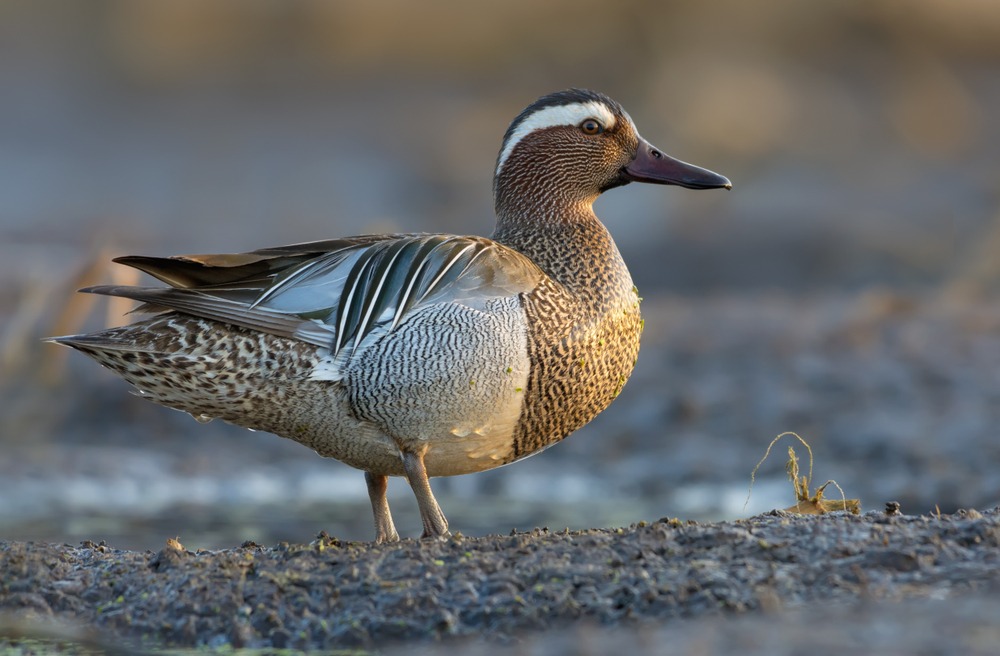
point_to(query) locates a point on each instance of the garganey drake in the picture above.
(417, 355)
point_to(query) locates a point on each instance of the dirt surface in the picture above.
(503, 589)
(846, 289)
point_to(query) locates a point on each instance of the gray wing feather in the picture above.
(331, 298)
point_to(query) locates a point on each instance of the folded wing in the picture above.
(332, 293)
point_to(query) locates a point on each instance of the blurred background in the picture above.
(848, 288)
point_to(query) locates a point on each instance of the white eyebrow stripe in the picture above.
(572, 114)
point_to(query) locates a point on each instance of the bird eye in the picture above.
(591, 126)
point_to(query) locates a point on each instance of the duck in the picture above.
(416, 355)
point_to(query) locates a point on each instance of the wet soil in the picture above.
(535, 589)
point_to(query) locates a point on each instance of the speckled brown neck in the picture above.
(584, 322)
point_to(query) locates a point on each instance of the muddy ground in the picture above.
(818, 578)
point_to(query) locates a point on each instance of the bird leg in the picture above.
(385, 531)
(435, 524)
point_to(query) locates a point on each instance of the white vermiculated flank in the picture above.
(547, 117)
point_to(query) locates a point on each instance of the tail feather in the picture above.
(108, 340)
